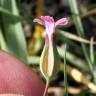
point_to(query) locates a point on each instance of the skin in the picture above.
(10, 95)
(18, 78)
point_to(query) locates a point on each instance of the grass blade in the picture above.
(76, 61)
(80, 30)
(92, 51)
(74, 37)
(65, 73)
(3, 44)
(13, 31)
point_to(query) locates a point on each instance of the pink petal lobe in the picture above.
(49, 25)
(47, 18)
(61, 22)
(39, 21)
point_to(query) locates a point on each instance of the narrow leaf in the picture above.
(13, 31)
(65, 72)
(74, 37)
(92, 51)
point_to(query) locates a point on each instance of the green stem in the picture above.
(92, 51)
(80, 31)
(65, 75)
(3, 44)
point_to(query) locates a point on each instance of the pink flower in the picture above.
(49, 61)
(50, 24)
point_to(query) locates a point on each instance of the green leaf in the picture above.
(3, 44)
(74, 37)
(92, 51)
(79, 27)
(76, 61)
(5, 11)
(65, 72)
(13, 31)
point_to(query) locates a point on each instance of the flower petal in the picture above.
(40, 21)
(61, 22)
(47, 18)
(48, 22)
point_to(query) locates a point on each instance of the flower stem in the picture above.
(65, 73)
(46, 88)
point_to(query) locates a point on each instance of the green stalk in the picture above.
(12, 29)
(65, 73)
(80, 31)
(3, 44)
(92, 51)
(92, 59)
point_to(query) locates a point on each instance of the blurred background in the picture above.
(21, 37)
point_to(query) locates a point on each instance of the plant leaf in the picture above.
(74, 37)
(13, 31)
